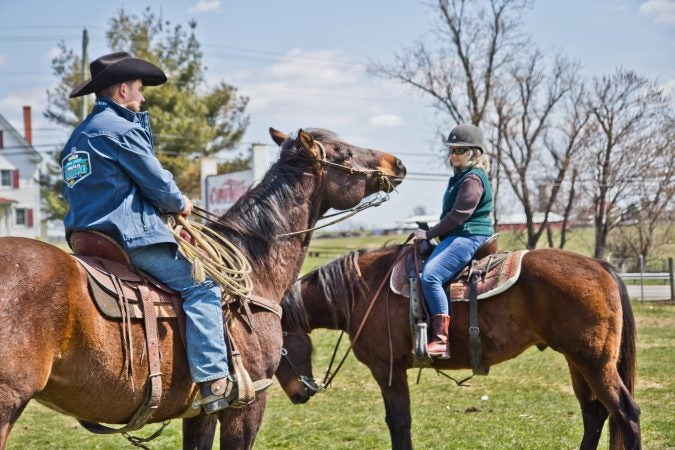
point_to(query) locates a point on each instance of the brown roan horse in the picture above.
(58, 349)
(576, 305)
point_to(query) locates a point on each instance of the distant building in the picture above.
(19, 180)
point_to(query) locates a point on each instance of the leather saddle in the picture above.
(498, 272)
(116, 286)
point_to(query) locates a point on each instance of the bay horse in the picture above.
(576, 305)
(59, 350)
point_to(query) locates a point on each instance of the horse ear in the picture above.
(277, 136)
(307, 142)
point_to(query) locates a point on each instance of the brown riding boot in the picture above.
(439, 345)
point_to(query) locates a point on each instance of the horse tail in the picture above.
(626, 365)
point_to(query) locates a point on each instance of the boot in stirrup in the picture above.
(221, 393)
(439, 346)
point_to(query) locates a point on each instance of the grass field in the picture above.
(530, 405)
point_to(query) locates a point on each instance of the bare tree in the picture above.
(475, 41)
(540, 130)
(624, 107)
(459, 71)
(650, 216)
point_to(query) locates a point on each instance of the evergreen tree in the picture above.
(189, 119)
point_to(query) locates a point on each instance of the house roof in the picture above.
(5, 125)
(7, 201)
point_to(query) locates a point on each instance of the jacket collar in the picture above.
(106, 103)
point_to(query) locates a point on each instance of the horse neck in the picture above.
(283, 202)
(322, 311)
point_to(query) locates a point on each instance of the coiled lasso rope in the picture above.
(212, 255)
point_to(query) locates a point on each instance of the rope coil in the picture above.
(212, 255)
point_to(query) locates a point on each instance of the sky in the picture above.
(301, 63)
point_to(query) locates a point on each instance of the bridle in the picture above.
(384, 185)
(307, 380)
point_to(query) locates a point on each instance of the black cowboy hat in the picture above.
(116, 68)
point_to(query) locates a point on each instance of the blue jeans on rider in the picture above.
(447, 259)
(204, 331)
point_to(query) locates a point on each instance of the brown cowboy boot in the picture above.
(221, 393)
(439, 345)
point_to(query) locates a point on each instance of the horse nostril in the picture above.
(400, 166)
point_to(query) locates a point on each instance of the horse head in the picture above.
(295, 368)
(349, 173)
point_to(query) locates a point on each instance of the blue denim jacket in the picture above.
(113, 182)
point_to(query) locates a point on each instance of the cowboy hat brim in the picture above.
(123, 70)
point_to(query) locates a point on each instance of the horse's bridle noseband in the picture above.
(384, 180)
(307, 380)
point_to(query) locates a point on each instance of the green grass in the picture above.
(530, 405)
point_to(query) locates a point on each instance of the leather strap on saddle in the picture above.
(475, 351)
(154, 386)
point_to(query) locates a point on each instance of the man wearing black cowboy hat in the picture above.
(114, 184)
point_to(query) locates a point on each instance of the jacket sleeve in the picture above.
(141, 165)
(469, 193)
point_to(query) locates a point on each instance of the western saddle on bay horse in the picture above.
(123, 292)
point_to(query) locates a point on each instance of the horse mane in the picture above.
(340, 282)
(261, 213)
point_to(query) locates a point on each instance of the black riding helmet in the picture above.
(466, 135)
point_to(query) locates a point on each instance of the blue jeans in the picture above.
(448, 258)
(207, 356)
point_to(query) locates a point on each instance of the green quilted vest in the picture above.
(480, 222)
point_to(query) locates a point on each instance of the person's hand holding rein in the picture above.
(188, 207)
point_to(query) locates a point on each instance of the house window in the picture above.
(9, 178)
(23, 217)
(5, 178)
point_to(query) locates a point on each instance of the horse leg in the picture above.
(396, 403)
(239, 427)
(593, 412)
(198, 432)
(609, 389)
(11, 407)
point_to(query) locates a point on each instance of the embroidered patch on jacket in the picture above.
(75, 167)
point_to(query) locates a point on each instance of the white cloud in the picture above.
(3, 59)
(385, 121)
(205, 6)
(318, 88)
(663, 11)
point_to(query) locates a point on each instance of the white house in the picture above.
(19, 180)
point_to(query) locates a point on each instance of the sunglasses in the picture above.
(458, 150)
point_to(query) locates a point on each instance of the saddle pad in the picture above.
(104, 294)
(499, 272)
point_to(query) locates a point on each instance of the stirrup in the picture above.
(217, 402)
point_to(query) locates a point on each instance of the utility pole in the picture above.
(85, 42)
